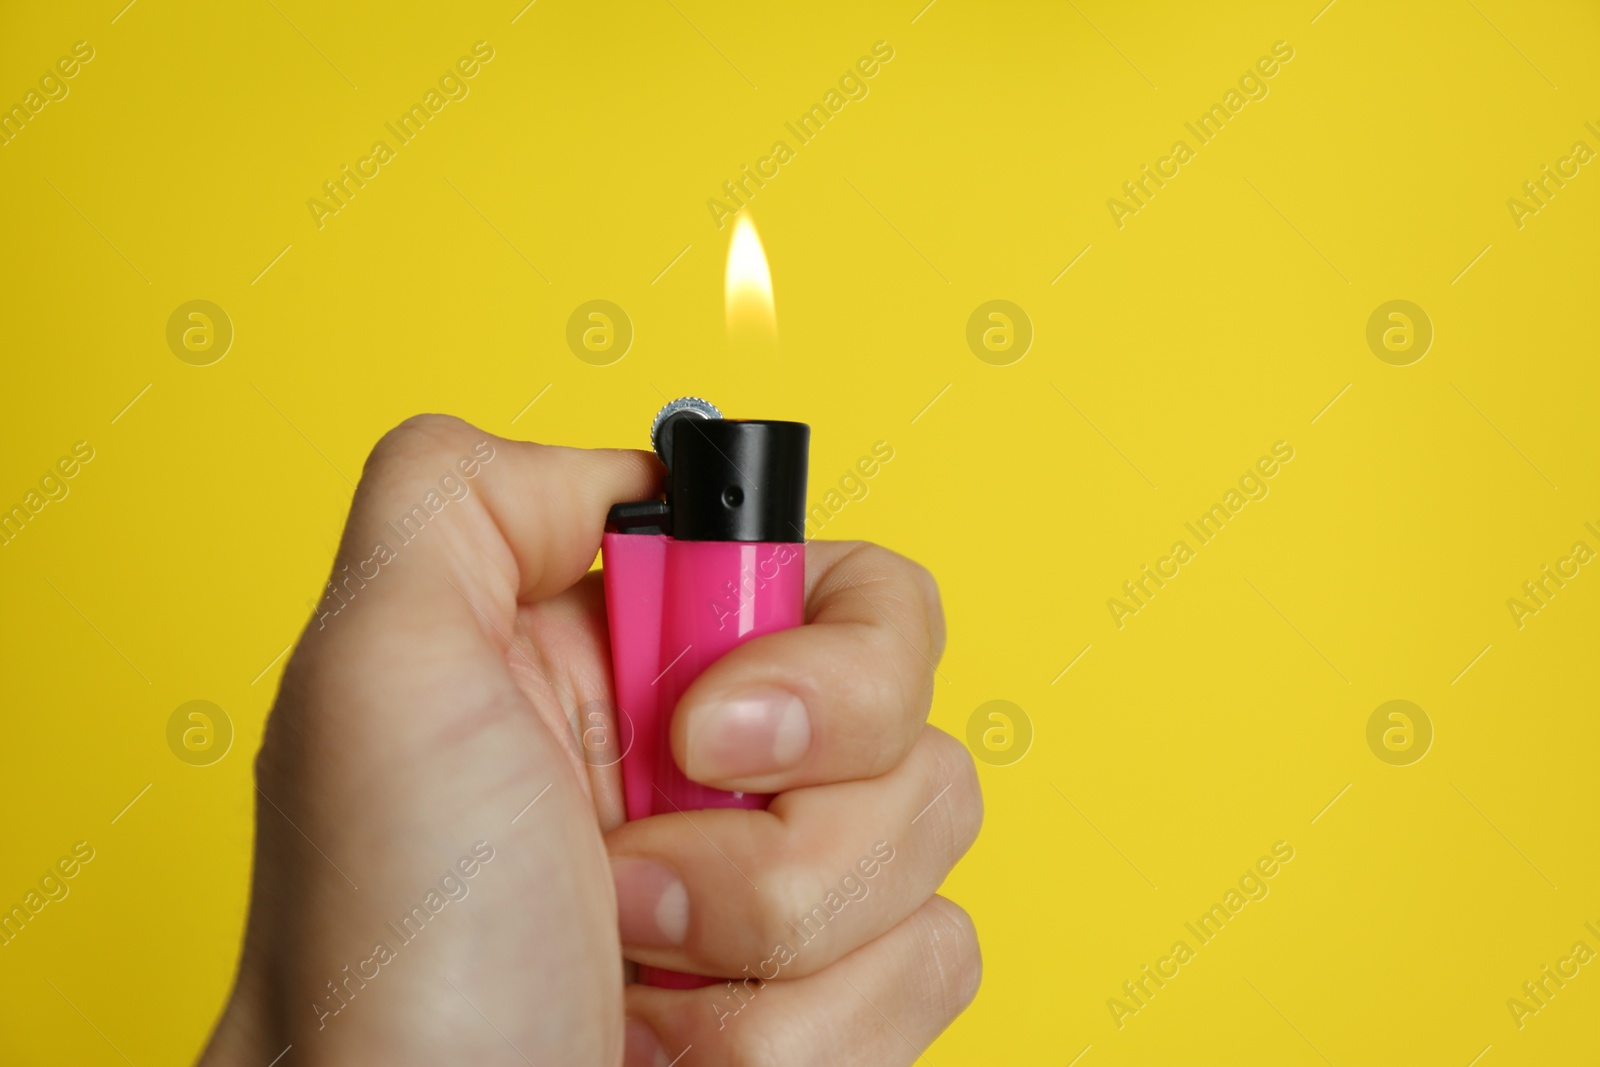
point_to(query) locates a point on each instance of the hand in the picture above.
(441, 876)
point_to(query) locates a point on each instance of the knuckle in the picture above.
(925, 583)
(907, 574)
(952, 765)
(909, 590)
(417, 437)
(952, 958)
(933, 609)
(870, 560)
(795, 902)
(763, 1046)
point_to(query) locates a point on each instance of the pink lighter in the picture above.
(719, 561)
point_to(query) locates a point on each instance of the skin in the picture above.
(413, 728)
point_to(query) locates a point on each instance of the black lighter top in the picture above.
(727, 479)
(738, 480)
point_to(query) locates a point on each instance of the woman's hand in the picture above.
(442, 876)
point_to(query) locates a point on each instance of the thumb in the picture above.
(451, 520)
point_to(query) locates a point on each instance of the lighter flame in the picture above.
(749, 285)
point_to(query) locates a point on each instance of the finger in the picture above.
(842, 698)
(567, 634)
(881, 1005)
(515, 519)
(711, 892)
(450, 528)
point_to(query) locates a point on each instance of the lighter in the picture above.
(719, 561)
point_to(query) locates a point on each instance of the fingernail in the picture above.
(759, 733)
(652, 904)
(643, 1048)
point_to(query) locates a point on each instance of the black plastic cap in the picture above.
(738, 480)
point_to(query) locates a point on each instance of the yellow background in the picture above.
(1222, 318)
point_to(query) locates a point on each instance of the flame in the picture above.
(752, 318)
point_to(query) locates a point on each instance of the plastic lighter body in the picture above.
(675, 607)
(717, 562)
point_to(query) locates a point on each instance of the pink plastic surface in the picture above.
(635, 565)
(674, 608)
